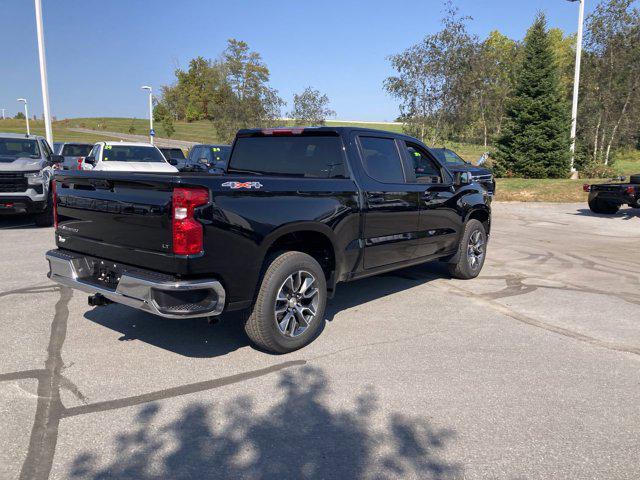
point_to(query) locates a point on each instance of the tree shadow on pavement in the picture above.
(297, 438)
(623, 213)
(196, 338)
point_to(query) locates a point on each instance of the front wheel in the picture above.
(45, 218)
(468, 262)
(289, 308)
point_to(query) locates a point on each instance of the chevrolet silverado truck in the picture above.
(298, 211)
(26, 170)
(607, 198)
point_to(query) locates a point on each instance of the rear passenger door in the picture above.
(391, 201)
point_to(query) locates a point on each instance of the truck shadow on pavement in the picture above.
(295, 438)
(14, 222)
(623, 213)
(196, 338)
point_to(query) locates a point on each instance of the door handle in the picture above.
(375, 199)
(428, 196)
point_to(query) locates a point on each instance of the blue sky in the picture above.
(100, 52)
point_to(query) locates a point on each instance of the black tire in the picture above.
(635, 179)
(602, 206)
(461, 265)
(262, 326)
(45, 218)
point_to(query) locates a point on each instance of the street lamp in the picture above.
(26, 113)
(43, 74)
(576, 87)
(151, 132)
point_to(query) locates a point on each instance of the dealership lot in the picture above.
(530, 371)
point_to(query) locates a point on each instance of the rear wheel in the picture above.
(468, 262)
(602, 206)
(289, 308)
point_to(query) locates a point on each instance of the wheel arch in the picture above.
(316, 240)
(482, 213)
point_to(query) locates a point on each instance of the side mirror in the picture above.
(55, 160)
(173, 161)
(90, 160)
(462, 178)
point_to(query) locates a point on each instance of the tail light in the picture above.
(187, 231)
(586, 187)
(54, 199)
(631, 190)
(80, 160)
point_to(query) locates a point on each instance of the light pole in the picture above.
(576, 87)
(43, 74)
(151, 132)
(26, 113)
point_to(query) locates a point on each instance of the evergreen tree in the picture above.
(535, 139)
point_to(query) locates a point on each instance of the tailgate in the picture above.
(123, 217)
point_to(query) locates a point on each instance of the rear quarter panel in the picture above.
(241, 224)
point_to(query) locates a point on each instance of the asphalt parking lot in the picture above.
(530, 371)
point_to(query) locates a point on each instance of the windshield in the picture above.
(176, 153)
(77, 150)
(448, 156)
(132, 153)
(13, 148)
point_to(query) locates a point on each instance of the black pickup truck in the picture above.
(297, 211)
(607, 198)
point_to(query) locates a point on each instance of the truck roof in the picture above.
(127, 144)
(248, 132)
(21, 135)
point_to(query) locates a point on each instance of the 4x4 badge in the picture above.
(238, 185)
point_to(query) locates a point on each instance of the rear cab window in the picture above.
(70, 150)
(308, 156)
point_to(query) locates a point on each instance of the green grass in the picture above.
(627, 162)
(60, 132)
(560, 190)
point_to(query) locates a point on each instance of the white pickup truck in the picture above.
(127, 157)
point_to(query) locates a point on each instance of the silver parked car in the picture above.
(26, 170)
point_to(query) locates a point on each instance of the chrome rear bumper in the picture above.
(145, 290)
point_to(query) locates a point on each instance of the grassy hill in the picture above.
(515, 189)
(200, 131)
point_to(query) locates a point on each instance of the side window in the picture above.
(381, 159)
(194, 154)
(46, 149)
(425, 167)
(95, 151)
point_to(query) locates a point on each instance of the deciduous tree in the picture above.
(310, 108)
